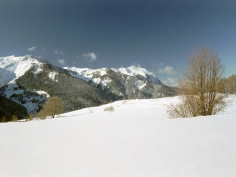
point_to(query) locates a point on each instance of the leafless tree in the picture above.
(52, 107)
(200, 86)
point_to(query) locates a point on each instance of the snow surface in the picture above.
(52, 75)
(40, 92)
(137, 139)
(105, 82)
(13, 89)
(96, 81)
(140, 85)
(12, 67)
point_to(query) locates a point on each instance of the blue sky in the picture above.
(157, 35)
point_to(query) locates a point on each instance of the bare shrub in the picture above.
(14, 118)
(110, 108)
(200, 87)
(30, 117)
(3, 119)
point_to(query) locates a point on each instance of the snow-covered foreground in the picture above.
(136, 139)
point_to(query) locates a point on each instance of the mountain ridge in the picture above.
(87, 73)
(29, 81)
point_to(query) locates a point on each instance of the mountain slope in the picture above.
(73, 92)
(9, 108)
(12, 67)
(126, 83)
(31, 100)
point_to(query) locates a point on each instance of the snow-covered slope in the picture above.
(134, 70)
(132, 82)
(136, 139)
(87, 74)
(29, 100)
(12, 67)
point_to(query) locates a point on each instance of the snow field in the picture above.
(137, 139)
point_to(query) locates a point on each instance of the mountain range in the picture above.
(29, 81)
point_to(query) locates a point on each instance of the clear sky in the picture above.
(158, 35)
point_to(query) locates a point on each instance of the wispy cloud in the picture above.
(136, 65)
(170, 82)
(31, 49)
(59, 52)
(91, 56)
(62, 61)
(166, 70)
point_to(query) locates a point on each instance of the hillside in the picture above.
(136, 139)
(73, 92)
(9, 108)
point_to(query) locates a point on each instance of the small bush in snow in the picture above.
(110, 108)
(14, 118)
(3, 119)
(30, 117)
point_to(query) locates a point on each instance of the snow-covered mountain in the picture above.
(138, 71)
(88, 74)
(12, 67)
(29, 81)
(131, 82)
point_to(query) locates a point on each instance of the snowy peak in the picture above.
(133, 70)
(138, 71)
(12, 67)
(87, 74)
